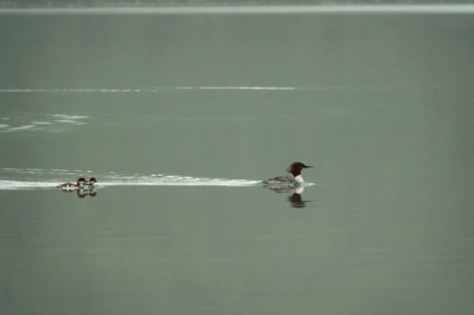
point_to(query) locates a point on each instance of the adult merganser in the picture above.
(71, 186)
(295, 179)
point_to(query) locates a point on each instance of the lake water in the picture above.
(180, 115)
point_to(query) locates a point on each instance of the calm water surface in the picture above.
(180, 116)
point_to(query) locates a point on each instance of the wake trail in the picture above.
(33, 179)
(37, 179)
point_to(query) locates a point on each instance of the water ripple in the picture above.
(204, 88)
(32, 179)
(41, 122)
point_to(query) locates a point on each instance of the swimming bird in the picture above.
(71, 186)
(89, 184)
(295, 179)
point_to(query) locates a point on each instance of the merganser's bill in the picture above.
(71, 186)
(295, 179)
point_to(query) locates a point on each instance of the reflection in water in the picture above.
(295, 198)
(88, 192)
(81, 193)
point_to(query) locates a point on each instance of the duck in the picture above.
(71, 186)
(294, 179)
(90, 183)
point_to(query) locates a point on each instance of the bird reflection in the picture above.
(88, 192)
(81, 193)
(295, 199)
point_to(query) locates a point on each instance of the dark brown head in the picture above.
(92, 181)
(296, 168)
(81, 181)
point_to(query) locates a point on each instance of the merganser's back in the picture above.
(291, 180)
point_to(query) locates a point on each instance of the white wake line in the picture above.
(25, 185)
(171, 181)
(194, 182)
(151, 90)
(31, 179)
(204, 88)
(223, 183)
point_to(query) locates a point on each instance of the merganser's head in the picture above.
(81, 181)
(296, 168)
(92, 181)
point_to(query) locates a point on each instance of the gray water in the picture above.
(180, 116)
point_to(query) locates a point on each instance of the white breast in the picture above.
(299, 179)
